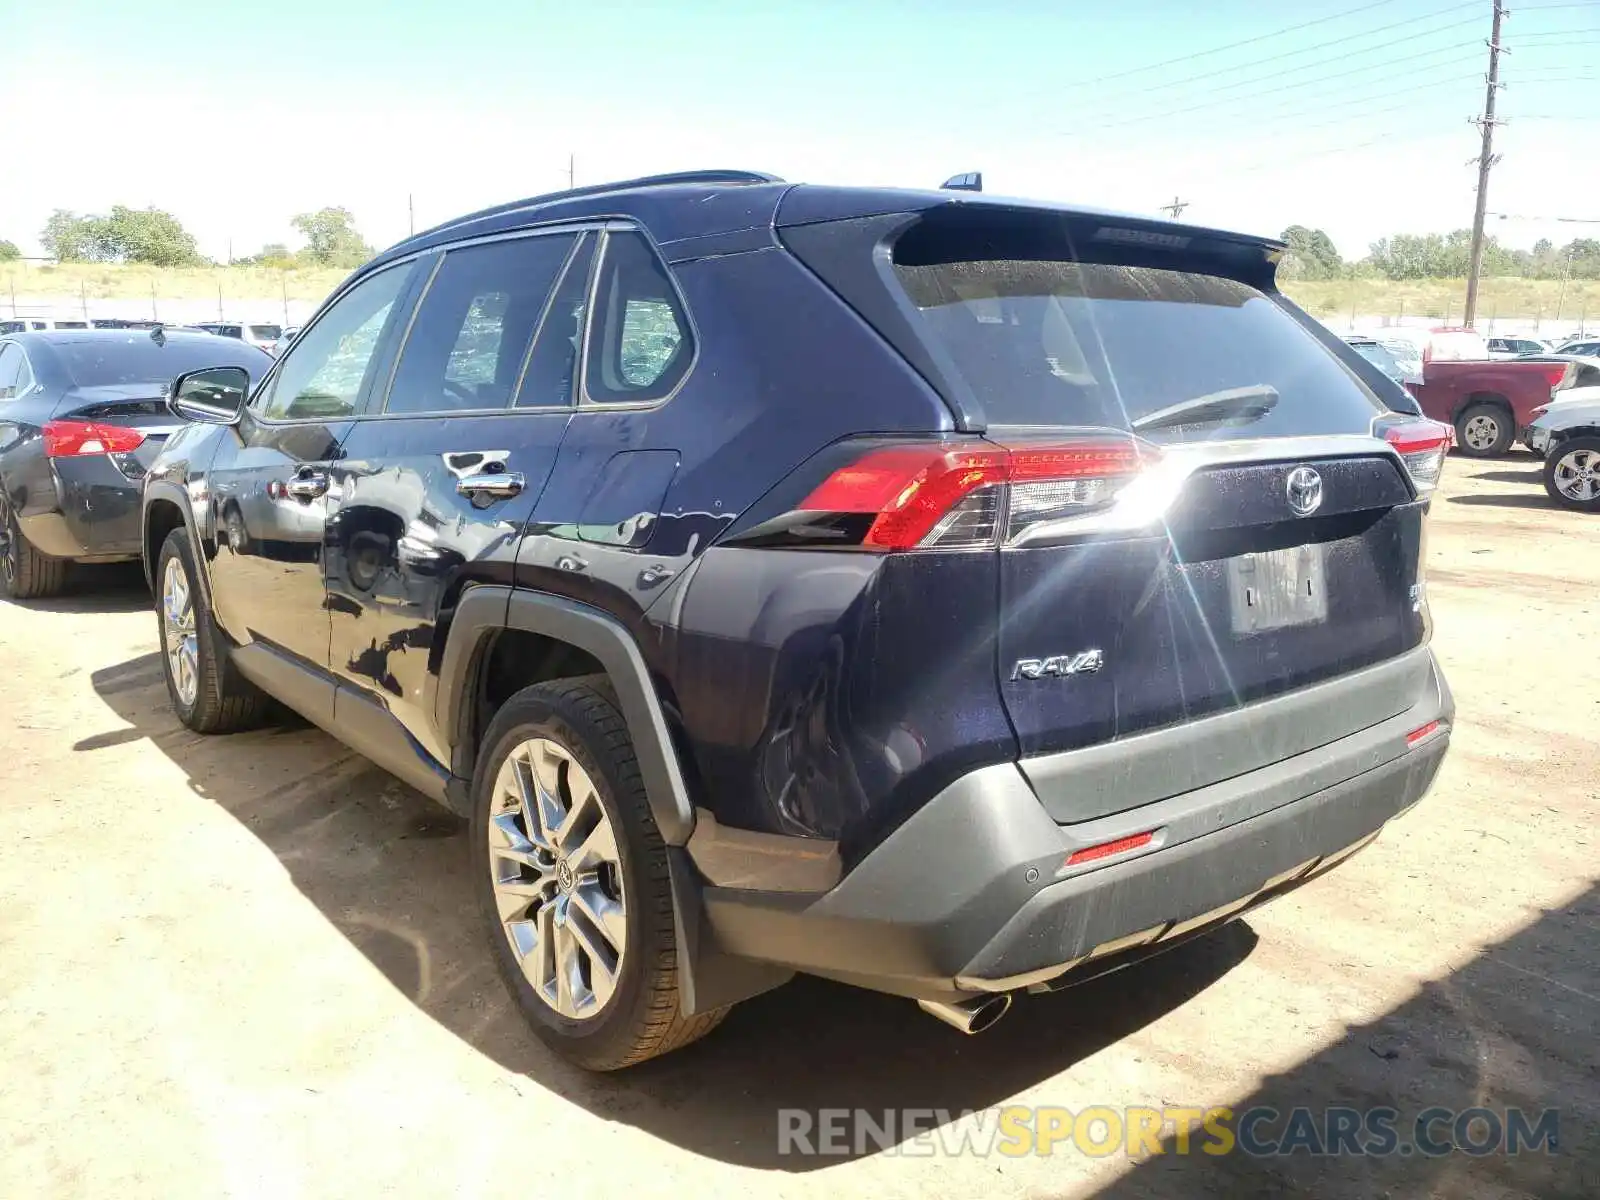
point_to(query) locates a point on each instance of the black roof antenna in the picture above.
(972, 181)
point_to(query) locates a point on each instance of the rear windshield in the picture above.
(1068, 343)
(138, 359)
(267, 333)
(1379, 357)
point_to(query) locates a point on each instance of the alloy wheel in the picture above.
(1577, 475)
(1481, 432)
(557, 878)
(182, 643)
(8, 545)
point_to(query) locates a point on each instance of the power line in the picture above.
(1264, 37)
(1251, 96)
(1312, 49)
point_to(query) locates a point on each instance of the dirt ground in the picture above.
(251, 966)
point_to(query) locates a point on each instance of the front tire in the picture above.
(1572, 474)
(26, 573)
(572, 880)
(207, 691)
(1485, 431)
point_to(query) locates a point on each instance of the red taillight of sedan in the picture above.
(78, 439)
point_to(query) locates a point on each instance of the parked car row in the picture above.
(266, 336)
(946, 595)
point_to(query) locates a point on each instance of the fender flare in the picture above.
(486, 609)
(160, 489)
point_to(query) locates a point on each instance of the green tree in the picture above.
(332, 239)
(9, 251)
(127, 235)
(68, 237)
(1312, 254)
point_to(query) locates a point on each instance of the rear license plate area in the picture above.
(1275, 589)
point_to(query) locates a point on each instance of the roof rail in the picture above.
(599, 189)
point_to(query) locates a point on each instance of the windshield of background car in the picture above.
(1067, 343)
(100, 362)
(1380, 358)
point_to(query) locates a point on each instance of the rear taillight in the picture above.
(1422, 446)
(1557, 375)
(74, 439)
(960, 497)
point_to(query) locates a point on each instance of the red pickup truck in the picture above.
(1489, 403)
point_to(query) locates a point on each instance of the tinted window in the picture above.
(326, 371)
(1063, 343)
(640, 346)
(267, 333)
(72, 324)
(12, 326)
(1380, 358)
(549, 380)
(471, 335)
(133, 358)
(10, 371)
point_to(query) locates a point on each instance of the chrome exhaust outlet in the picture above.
(969, 1016)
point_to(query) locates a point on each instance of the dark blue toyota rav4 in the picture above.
(948, 595)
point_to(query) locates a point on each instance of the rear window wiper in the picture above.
(1241, 403)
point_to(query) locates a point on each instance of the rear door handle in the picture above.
(501, 485)
(307, 486)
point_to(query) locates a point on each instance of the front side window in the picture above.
(327, 371)
(470, 339)
(640, 346)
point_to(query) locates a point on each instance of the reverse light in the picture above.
(77, 439)
(948, 497)
(1422, 446)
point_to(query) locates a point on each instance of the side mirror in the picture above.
(215, 395)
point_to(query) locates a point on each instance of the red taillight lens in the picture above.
(1557, 374)
(1416, 735)
(74, 439)
(1422, 446)
(1107, 849)
(953, 497)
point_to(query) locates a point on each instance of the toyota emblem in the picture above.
(1305, 491)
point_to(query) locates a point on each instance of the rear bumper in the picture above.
(90, 514)
(972, 894)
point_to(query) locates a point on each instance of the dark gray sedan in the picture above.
(82, 414)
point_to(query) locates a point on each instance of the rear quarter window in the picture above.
(1050, 343)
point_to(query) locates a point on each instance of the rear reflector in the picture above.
(944, 496)
(1416, 735)
(74, 439)
(1422, 446)
(1107, 849)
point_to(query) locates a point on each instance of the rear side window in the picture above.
(640, 346)
(553, 366)
(10, 372)
(472, 334)
(1051, 343)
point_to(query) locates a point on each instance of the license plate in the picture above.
(1275, 589)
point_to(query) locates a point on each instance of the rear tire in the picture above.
(541, 879)
(207, 691)
(1572, 474)
(26, 573)
(1485, 431)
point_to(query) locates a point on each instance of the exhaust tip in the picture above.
(969, 1016)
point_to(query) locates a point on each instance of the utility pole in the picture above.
(572, 171)
(411, 211)
(1486, 159)
(1175, 209)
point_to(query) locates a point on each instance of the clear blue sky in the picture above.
(235, 116)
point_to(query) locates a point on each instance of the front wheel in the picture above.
(1572, 474)
(572, 880)
(1485, 431)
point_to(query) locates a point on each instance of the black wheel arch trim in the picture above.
(164, 491)
(486, 609)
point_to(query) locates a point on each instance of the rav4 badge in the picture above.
(1085, 662)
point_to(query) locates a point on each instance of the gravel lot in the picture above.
(252, 965)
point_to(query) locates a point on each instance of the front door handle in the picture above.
(308, 485)
(501, 485)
